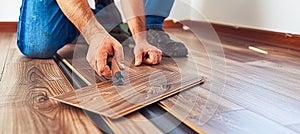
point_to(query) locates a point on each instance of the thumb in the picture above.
(119, 55)
(138, 59)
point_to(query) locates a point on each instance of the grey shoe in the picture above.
(162, 41)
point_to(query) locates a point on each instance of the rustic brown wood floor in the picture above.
(261, 93)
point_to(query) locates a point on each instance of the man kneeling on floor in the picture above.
(47, 25)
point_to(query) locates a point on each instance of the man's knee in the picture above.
(42, 50)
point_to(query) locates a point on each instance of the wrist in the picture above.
(140, 38)
(94, 32)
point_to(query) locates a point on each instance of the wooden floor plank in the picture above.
(144, 85)
(196, 106)
(24, 104)
(243, 122)
(133, 123)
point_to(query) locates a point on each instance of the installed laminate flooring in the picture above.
(264, 85)
(24, 90)
(261, 93)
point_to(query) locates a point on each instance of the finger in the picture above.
(95, 67)
(106, 71)
(138, 59)
(119, 55)
(159, 57)
(101, 62)
(153, 58)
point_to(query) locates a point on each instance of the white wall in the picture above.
(9, 10)
(275, 15)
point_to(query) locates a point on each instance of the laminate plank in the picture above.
(197, 105)
(243, 122)
(24, 104)
(50, 118)
(132, 123)
(143, 85)
(295, 127)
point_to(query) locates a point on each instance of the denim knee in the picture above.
(158, 7)
(44, 49)
(43, 28)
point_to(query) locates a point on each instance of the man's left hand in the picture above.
(146, 53)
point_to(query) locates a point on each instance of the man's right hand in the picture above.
(98, 53)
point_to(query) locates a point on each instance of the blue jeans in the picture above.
(156, 11)
(43, 28)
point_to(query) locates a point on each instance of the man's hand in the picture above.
(135, 16)
(146, 53)
(98, 53)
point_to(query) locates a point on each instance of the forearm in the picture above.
(80, 14)
(135, 16)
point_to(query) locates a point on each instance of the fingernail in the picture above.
(122, 66)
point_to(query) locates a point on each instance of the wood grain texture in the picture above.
(144, 85)
(133, 123)
(245, 122)
(24, 105)
(190, 106)
(265, 85)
